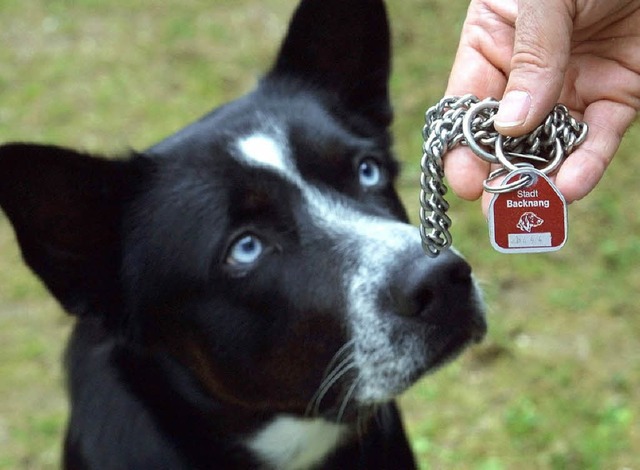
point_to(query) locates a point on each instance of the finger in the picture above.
(479, 68)
(465, 173)
(486, 201)
(540, 58)
(471, 73)
(582, 170)
(463, 169)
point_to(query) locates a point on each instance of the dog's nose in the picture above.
(440, 291)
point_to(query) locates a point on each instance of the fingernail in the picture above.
(513, 109)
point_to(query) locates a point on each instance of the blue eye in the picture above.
(369, 172)
(246, 250)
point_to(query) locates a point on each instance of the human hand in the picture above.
(531, 54)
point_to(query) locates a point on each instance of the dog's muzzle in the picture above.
(441, 292)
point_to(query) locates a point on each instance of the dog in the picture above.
(248, 291)
(528, 221)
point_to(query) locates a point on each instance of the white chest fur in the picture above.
(289, 443)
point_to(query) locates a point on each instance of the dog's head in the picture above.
(529, 220)
(262, 248)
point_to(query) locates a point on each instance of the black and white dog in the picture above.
(248, 292)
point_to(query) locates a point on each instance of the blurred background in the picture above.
(557, 382)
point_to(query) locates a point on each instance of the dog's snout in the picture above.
(437, 290)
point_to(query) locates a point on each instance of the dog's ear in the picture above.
(66, 209)
(344, 47)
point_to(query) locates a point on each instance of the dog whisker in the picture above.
(336, 357)
(347, 398)
(344, 367)
(332, 375)
(328, 383)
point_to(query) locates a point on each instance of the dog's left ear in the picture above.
(342, 46)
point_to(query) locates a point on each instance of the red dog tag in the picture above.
(531, 219)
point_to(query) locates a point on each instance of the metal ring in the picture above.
(504, 161)
(523, 182)
(466, 129)
(547, 170)
(557, 159)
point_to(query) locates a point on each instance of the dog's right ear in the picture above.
(66, 209)
(342, 46)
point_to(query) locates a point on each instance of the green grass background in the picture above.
(557, 382)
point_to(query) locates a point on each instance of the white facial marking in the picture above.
(385, 361)
(263, 150)
(368, 248)
(289, 443)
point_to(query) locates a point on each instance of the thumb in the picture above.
(540, 55)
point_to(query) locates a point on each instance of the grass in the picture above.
(557, 382)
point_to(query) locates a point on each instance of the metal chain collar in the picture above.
(468, 121)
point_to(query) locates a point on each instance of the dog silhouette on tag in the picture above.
(529, 220)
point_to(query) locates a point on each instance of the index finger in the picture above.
(480, 67)
(471, 73)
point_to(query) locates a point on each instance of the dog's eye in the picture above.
(369, 173)
(246, 250)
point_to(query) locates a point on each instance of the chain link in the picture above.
(468, 121)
